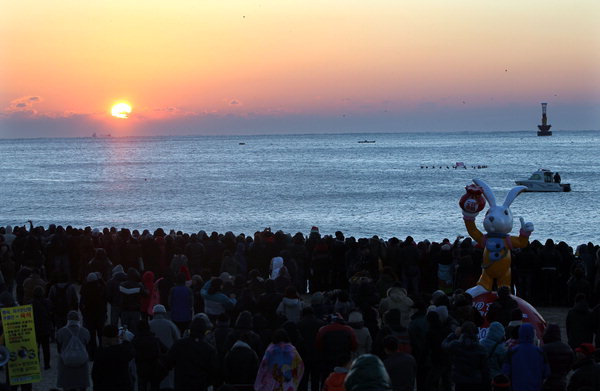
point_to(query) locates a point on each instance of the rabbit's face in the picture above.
(498, 219)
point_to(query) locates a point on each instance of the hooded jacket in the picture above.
(241, 364)
(526, 364)
(367, 374)
(290, 308)
(397, 298)
(560, 358)
(493, 343)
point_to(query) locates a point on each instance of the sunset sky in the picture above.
(240, 67)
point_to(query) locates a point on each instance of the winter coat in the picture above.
(367, 373)
(42, 316)
(281, 369)
(195, 362)
(216, 303)
(579, 324)
(241, 364)
(363, 340)
(586, 376)
(29, 285)
(113, 296)
(560, 357)
(334, 342)
(181, 301)
(111, 368)
(63, 296)
(417, 331)
(93, 301)
(397, 298)
(148, 282)
(242, 331)
(469, 359)
(393, 326)
(526, 364)
(290, 309)
(164, 329)
(402, 369)
(148, 348)
(131, 292)
(335, 380)
(70, 377)
(493, 343)
(309, 326)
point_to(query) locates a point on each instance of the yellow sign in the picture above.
(19, 339)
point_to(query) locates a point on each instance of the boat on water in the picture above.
(544, 180)
(366, 141)
(544, 128)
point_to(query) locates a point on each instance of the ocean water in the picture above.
(292, 182)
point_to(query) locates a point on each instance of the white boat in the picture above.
(544, 180)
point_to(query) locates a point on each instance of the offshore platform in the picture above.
(544, 128)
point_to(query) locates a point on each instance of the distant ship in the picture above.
(101, 136)
(544, 128)
(366, 141)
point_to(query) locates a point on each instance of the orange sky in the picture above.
(190, 60)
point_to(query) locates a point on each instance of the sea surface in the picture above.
(293, 182)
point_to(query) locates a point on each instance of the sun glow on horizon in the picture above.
(121, 110)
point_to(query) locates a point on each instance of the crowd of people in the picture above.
(275, 311)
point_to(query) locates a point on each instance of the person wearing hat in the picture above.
(69, 377)
(363, 336)
(110, 371)
(167, 332)
(586, 372)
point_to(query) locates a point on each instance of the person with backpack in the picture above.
(71, 341)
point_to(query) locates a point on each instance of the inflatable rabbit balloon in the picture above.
(497, 241)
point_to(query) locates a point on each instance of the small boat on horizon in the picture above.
(94, 135)
(366, 141)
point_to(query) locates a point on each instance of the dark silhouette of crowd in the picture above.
(276, 311)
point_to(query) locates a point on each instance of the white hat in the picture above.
(159, 308)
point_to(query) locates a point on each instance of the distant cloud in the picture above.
(23, 105)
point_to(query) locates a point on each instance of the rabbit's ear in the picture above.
(487, 191)
(512, 194)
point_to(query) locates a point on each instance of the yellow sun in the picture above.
(121, 110)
